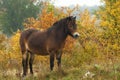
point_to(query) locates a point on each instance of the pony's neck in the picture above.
(59, 30)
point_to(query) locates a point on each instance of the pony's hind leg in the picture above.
(31, 62)
(25, 56)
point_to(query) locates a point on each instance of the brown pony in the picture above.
(48, 42)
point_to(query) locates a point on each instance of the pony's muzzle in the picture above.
(76, 35)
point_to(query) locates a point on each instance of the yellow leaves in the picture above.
(11, 49)
(111, 25)
(87, 21)
(104, 23)
(115, 46)
(114, 11)
(15, 52)
(88, 29)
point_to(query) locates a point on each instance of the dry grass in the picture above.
(104, 69)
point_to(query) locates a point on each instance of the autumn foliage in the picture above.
(44, 20)
(97, 43)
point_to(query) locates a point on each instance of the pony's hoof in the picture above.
(23, 77)
(31, 74)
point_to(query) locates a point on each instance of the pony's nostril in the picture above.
(76, 34)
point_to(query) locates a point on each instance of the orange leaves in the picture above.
(69, 44)
(45, 20)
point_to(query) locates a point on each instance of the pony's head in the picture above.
(72, 27)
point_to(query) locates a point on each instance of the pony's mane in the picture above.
(58, 24)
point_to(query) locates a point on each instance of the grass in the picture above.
(95, 70)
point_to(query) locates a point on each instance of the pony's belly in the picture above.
(37, 49)
(42, 54)
(39, 52)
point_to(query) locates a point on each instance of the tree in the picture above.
(110, 22)
(14, 12)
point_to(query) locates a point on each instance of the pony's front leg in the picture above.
(51, 61)
(58, 57)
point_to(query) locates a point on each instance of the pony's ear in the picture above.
(74, 18)
(69, 18)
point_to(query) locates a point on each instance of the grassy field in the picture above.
(96, 69)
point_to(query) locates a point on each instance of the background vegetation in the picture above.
(14, 12)
(94, 56)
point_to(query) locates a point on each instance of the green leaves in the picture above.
(14, 12)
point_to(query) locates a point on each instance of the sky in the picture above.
(66, 3)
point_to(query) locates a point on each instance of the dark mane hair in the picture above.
(58, 24)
